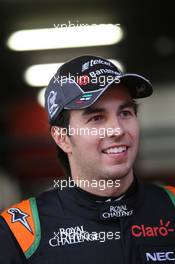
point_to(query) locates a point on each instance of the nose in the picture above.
(114, 128)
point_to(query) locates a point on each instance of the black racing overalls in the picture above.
(74, 226)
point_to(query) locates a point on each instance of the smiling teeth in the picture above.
(115, 150)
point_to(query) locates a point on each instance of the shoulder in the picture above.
(170, 191)
(53, 202)
(23, 221)
(159, 192)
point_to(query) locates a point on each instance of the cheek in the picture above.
(136, 135)
(91, 143)
(134, 130)
(85, 143)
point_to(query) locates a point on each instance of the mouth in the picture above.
(115, 150)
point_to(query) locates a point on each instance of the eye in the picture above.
(96, 118)
(126, 113)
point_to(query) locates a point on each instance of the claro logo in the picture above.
(160, 256)
(152, 231)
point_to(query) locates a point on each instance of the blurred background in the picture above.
(36, 36)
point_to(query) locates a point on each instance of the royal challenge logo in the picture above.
(117, 211)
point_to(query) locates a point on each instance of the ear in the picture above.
(61, 138)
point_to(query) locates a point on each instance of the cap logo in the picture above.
(99, 61)
(52, 106)
(84, 98)
(83, 80)
(91, 63)
(140, 90)
(85, 66)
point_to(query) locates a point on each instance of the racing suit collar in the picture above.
(107, 208)
(104, 199)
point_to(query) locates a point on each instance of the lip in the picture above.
(116, 158)
(115, 146)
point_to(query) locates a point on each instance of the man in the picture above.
(101, 213)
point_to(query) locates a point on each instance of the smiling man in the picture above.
(102, 213)
(115, 152)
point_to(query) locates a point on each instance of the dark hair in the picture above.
(63, 121)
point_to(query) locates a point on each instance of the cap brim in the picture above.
(139, 87)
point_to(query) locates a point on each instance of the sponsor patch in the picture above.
(161, 230)
(78, 234)
(157, 254)
(92, 62)
(20, 216)
(116, 211)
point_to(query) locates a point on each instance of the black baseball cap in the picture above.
(79, 83)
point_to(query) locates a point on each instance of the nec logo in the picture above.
(160, 256)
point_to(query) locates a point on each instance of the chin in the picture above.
(116, 174)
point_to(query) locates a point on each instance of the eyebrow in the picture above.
(129, 104)
(92, 110)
